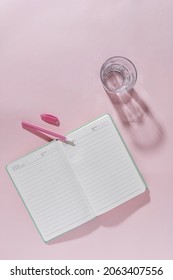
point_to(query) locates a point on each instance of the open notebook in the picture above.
(64, 186)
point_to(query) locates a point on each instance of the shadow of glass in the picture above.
(145, 131)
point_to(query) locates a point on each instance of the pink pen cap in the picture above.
(50, 119)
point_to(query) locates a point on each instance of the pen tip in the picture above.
(70, 141)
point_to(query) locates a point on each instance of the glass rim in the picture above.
(118, 57)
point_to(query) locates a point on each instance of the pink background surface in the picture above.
(50, 57)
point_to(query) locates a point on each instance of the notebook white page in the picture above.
(50, 191)
(103, 165)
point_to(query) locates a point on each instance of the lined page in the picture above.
(103, 166)
(50, 191)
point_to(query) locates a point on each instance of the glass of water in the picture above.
(118, 75)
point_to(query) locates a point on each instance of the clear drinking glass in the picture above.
(118, 75)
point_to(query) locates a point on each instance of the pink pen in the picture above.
(37, 128)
